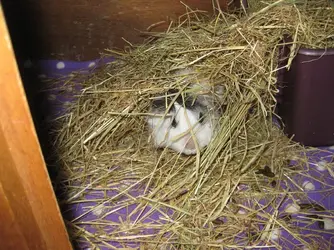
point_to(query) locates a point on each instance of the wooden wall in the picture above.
(79, 30)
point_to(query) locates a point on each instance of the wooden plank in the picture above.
(29, 213)
(11, 232)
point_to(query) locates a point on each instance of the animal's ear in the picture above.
(222, 108)
(159, 103)
(172, 91)
(162, 103)
(182, 99)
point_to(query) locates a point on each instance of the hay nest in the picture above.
(103, 139)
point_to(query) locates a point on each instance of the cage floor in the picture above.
(318, 183)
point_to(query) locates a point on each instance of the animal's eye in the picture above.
(174, 123)
(201, 117)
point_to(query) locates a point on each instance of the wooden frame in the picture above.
(29, 213)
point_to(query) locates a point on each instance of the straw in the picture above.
(104, 146)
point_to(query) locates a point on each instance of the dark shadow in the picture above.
(27, 34)
(26, 31)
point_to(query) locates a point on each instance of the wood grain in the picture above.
(29, 213)
(80, 30)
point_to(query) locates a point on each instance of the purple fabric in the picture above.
(321, 185)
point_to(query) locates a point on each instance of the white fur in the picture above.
(164, 135)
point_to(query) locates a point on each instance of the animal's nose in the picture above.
(190, 144)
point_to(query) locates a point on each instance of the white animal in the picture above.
(191, 120)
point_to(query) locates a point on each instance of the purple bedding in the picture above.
(319, 188)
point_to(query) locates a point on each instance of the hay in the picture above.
(103, 139)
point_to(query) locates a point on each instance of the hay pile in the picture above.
(215, 199)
